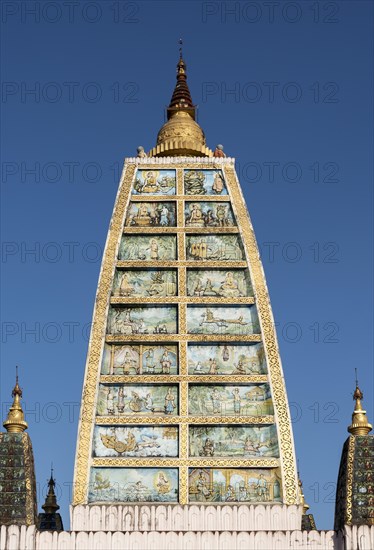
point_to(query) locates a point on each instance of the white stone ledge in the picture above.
(178, 160)
(192, 517)
(28, 538)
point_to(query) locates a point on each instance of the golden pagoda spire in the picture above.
(15, 421)
(360, 424)
(181, 135)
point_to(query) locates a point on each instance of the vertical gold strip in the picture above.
(182, 318)
(183, 470)
(180, 213)
(181, 246)
(183, 366)
(349, 487)
(182, 281)
(182, 329)
(183, 451)
(183, 410)
(183, 484)
(180, 190)
(270, 342)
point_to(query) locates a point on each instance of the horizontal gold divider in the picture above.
(198, 230)
(127, 420)
(157, 264)
(204, 163)
(175, 378)
(190, 198)
(191, 462)
(206, 338)
(184, 299)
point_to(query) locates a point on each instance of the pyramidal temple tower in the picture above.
(184, 404)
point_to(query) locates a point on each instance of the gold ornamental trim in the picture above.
(30, 483)
(186, 299)
(152, 462)
(175, 378)
(190, 264)
(200, 230)
(124, 338)
(127, 420)
(186, 198)
(349, 486)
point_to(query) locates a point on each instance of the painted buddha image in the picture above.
(229, 287)
(196, 218)
(143, 216)
(151, 184)
(125, 288)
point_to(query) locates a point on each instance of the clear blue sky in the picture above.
(300, 124)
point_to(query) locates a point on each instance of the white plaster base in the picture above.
(28, 538)
(185, 518)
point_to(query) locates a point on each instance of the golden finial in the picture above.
(181, 135)
(360, 424)
(15, 421)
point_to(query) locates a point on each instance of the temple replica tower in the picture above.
(184, 409)
(185, 437)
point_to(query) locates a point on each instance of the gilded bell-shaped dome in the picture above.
(181, 135)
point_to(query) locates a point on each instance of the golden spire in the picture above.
(15, 421)
(360, 424)
(50, 505)
(181, 135)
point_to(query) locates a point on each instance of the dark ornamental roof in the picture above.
(50, 519)
(355, 487)
(17, 480)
